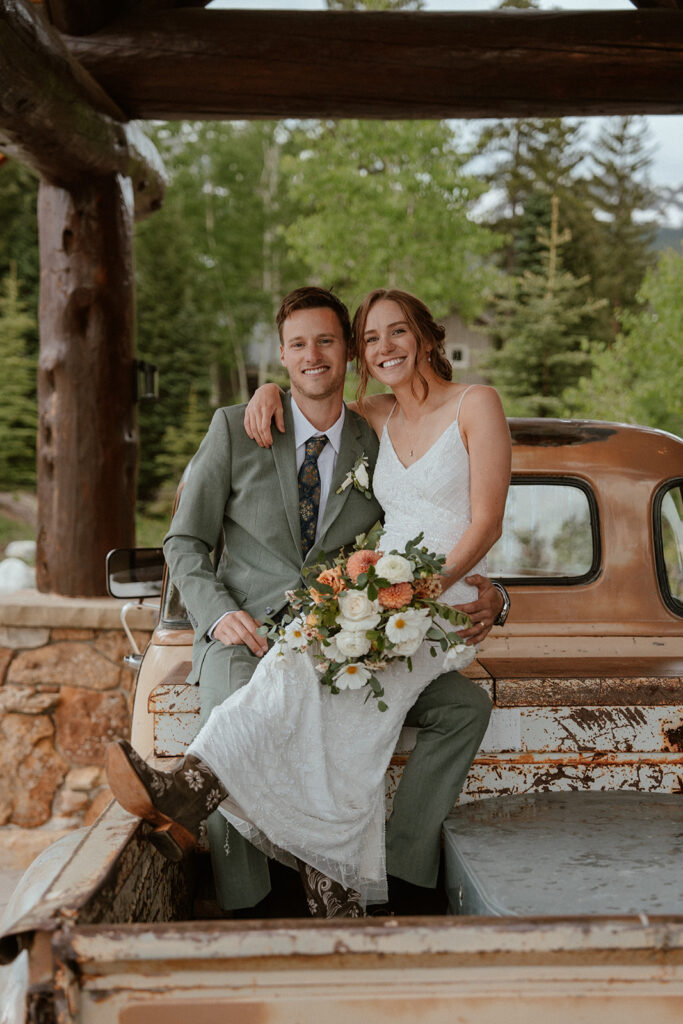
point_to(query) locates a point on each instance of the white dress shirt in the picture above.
(327, 461)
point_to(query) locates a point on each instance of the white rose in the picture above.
(351, 677)
(358, 625)
(330, 650)
(362, 477)
(295, 638)
(408, 626)
(352, 644)
(407, 647)
(355, 605)
(394, 568)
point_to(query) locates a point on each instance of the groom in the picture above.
(277, 509)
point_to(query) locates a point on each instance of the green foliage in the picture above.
(19, 238)
(539, 320)
(387, 203)
(178, 445)
(639, 379)
(211, 268)
(18, 416)
(11, 529)
(150, 530)
(181, 441)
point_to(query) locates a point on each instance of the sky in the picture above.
(666, 130)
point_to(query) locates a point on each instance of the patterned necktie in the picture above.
(309, 491)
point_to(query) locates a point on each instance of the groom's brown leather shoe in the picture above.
(176, 802)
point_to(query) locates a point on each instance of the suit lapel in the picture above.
(350, 450)
(284, 455)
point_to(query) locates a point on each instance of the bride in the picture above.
(300, 771)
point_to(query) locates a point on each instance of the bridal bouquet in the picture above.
(366, 609)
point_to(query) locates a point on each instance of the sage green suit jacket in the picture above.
(251, 495)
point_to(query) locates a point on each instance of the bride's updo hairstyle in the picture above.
(429, 336)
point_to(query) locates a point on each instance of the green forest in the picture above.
(536, 228)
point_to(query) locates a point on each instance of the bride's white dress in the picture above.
(304, 767)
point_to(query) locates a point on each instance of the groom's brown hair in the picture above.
(312, 297)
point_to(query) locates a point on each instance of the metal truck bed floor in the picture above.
(566, 853)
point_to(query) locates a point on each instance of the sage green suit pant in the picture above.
(452, 714)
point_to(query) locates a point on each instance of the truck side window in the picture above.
(550, 533)
(668, 533)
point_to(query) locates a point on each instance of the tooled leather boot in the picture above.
(176, 802)
(327, 898)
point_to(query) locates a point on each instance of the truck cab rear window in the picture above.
(550, 533)
(668, 533)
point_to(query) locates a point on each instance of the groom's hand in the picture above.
(483, 611)
(240, 628)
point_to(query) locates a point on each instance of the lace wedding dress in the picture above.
(304, 767)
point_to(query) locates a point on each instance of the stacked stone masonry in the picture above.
(65, 693)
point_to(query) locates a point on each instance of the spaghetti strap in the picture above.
(457, 414)
(386, 422)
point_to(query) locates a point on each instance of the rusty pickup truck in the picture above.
(563, 858)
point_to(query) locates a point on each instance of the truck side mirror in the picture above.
(135, 572)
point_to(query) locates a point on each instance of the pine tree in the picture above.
(540, 325)
(620, 191)
(18, 415)
(533, 159)
(178, 445)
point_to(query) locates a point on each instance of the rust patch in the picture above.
(199, 1012)
(615, 691)
(673, 739)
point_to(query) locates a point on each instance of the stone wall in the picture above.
(64, 694)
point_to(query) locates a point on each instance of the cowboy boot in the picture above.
(327, 898)
(176, 801)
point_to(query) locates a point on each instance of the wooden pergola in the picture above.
(76, 74)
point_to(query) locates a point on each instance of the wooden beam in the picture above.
(669, 5)
(81, 17)
(233, 64)
(58, 120)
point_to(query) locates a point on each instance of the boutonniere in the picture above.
(358, 477)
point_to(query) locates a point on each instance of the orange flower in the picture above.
(360, 561)
(430, 588)
(331, 578)
(395, 596)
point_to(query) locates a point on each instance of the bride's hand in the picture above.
(265, 404)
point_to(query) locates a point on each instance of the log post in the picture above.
(96, 172)
(87, 437)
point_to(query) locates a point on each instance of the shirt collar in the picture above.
(303, 429)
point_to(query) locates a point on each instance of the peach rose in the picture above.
(395, 596)
(360, 561)
(331, 578)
